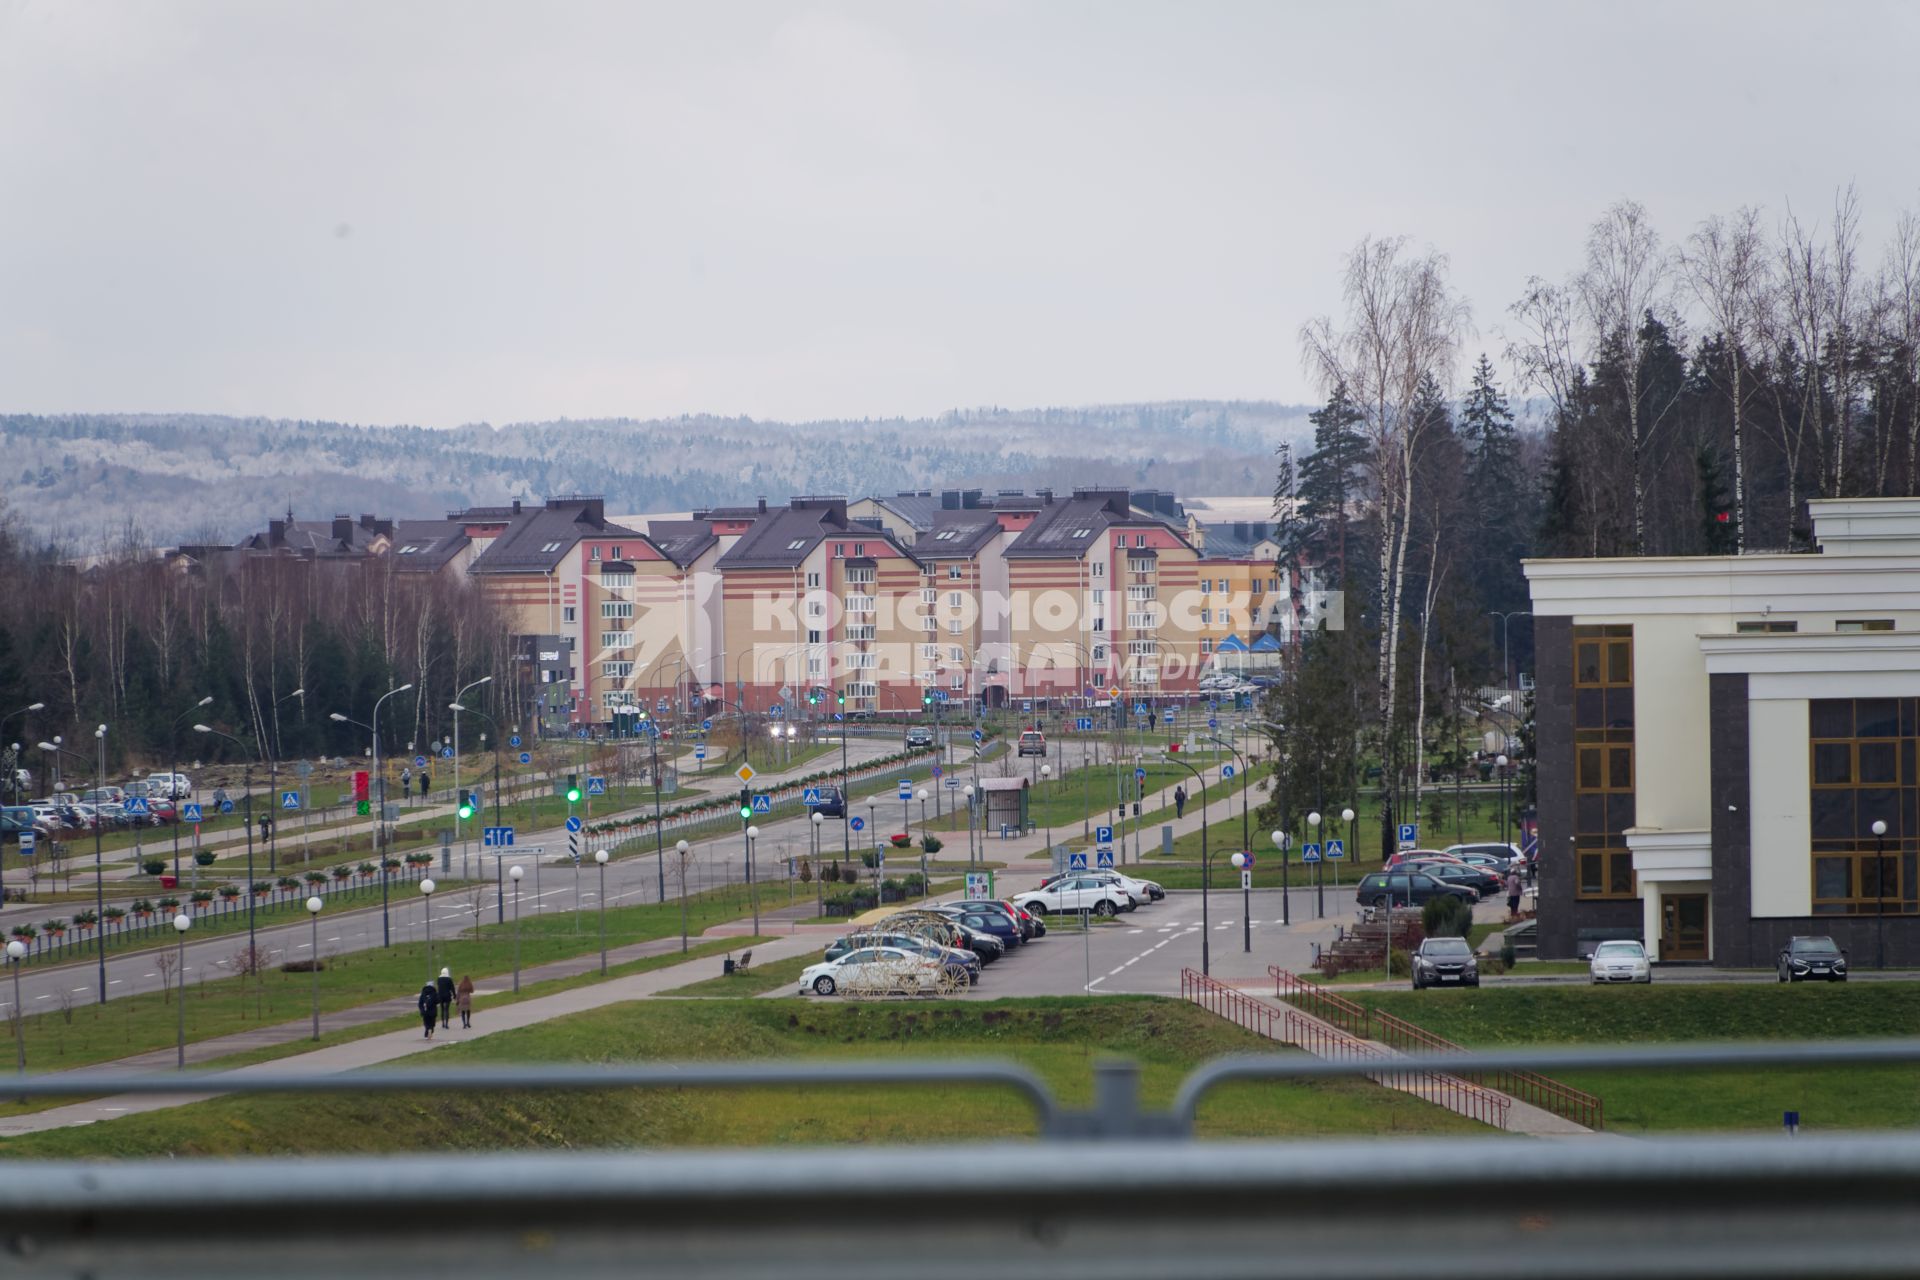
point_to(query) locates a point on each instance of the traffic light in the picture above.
(840, 698)
(746, 803)
(362, 786)
(573, 788)
(813, 697)
(469, 801)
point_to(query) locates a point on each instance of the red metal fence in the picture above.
(1459, 1096)
(1235, 1006)
(1537, 1090)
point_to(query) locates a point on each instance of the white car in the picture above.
(1084, 892)
(1620, 961)
(174, 786)
(878, 971)
(1140, 891)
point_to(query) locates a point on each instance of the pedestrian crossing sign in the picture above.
(1077, 861)
(190, 813)
(763, 803)
(596, 786)
(1103, 857)
(289, 799)
(810, 796)
(1310, 852)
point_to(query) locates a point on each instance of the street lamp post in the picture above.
(252, 947)
(753, 896)
(181, 923)
(1280, 842)
(426, 907)
(1506, 677)
(1346, 816)
(600, 859)
(272, 834)
(1246, 900)
(1500, 763)
(313, 916)
(968, 793)
(379, 810)
(173, 740)
(1880, 885)
(1206, 926)
(680, 847)
(1046, 772)
(515, 873)
(456, 708)
(1319, 878)
(16, 952)
(100, 871)
(819, 885)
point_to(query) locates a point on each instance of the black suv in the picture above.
(832, 803)
(919, 739)
(1442, 960)
(1812, 957)
(1382, 889)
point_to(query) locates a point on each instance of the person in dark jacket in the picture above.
(463, 996)
(429, 1005)
(444, 992)
(1179, 802)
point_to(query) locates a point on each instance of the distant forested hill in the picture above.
(84, 480)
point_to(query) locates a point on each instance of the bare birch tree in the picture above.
(1726, 264)
(1403, 325)
(1625, 280)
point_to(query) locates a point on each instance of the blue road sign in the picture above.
(1169, 715)
(1336, 849)
(1309, 853)
(1139, 708)
(1212, 722)
(1077, 861)
(939, 695)
(1213, 704)
(289, 799)
(1084, 724)
(706, 725)
(1103, 835)
(1226, 771)
(776, 710)
(596, 786)
(857, 823)
(583, 733)
(27, 838)
(574, 824)
(514, 741)
(137, 804)
(446, 753)
(190, 813)
(978, 737)
(699, 753)
(526, 757)
(1139, 775)
(810, 796)
(1409, 833)
(419, 762)
(496, 837)
(937, 771)
(226, 806)
(763, 804)
(663, 704)
(1248, 855)
(1103, 857)
(906, 789)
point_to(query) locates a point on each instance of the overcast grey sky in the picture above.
(449, 212)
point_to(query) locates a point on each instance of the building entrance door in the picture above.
(1683, 926)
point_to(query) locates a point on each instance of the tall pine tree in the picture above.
(1327, 486)
(1498, 492)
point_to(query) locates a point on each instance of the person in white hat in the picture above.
(445, 988)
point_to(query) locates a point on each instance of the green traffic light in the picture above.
(746, 811)
(573, 795)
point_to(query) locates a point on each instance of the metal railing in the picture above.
(1224, 1001)
(1443, 1089)
(1562, 1100)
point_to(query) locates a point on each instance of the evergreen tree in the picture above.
(1716, 515)
(1327, 484)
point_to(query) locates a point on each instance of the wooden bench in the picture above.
(740, 965)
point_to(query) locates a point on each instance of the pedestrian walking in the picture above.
(1179, 801)
(429, 1006)
(426, 780)
(444, 993)
(406, 776)
(1513, 893)
(463, 996)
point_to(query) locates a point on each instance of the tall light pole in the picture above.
(515, 873)
(273, 789)
(380, 812)
(100, 871)
(173, 741)
(1880, 884)
(29, 710)
(1046, 773)
(426, 906)
(456, 708)
(819, 890)
(181, 923)
(753, 895)
(967, 791)
(1206, 927)
(252, 952)
(1346, 816)
(1500, 763)
(680, 847)
(16, 952)
(600, 860)
(1280, 842)
(313, 916)
(1246, 900)
(1319, 877)
(925, 880)
(1506, 677)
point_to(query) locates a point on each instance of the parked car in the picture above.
(1077, 893)
(1033, 743)
(104, 796)
(877, 969)
(1479, 879)
(964, 961)
(1139, 890)
(832, 803)
(996, 927)
(1502, 855)
(1405, 856)
(919, 739)
(1408, 888)
(1029, 925)
(1437, 961)
(174, 786)
(1812, 957)
(1620, 960)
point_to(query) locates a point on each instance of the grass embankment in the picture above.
(1058, 1038)
(146, 1020)
(1826, 1097)
(1085, 794)
(774, 975)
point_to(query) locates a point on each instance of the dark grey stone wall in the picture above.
(1731, 929)
(1553, 740)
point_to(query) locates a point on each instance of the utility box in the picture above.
(1166, 840)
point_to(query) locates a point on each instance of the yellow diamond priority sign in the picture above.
(746, 773)
(1113, 691)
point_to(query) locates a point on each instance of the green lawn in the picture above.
(774, 975)
(1829, 1098)
(1059, 1038)
(1084, 796)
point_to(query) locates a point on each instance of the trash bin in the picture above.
(726, 966)
(169, 882)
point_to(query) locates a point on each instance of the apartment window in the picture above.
(816, 608)
(1099, 568)
(957, 627)
(813, 578)
(1206, 586)
(955, 572)
(616, 670)
(859, 661)
(839, 550)
(1206, 617)
(610, 609)
(1099, 653)
(593, 553)
(1099, 595)
(955, 653)
(1206, 647)
(1144, 675)
(860, 690)
(1863, 771)
(1120, 541)
(929, 595)
(551, 547)
(1138, 647)
(929, 623)
(862, 575)
(1144, 621)
(616, 639)
(958, 680)
(1770, 626)
(1273, 585)
(813, 636)
(859, 604)
(566, 613)
(1139, 539)
(860, 632)
(1865, 624)
(1140, 592)
(953, 599)
(930, 652)
(1603, 736)
(814, 666)
(1140, 564)
(946, 535)
(859, 548)
(1099, 624)
(617, 553)
(798, 543)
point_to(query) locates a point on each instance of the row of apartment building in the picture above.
(984, 597)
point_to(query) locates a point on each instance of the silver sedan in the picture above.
(1620, 962)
